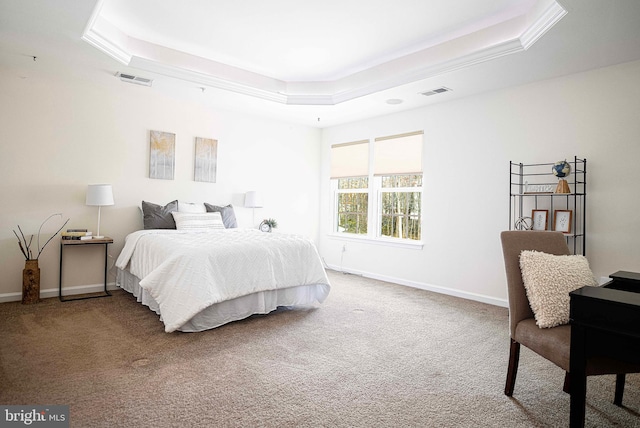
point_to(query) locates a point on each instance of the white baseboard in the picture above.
(95, 288)
(428, 287)
(66, 291)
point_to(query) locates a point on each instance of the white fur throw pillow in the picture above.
(548, 280)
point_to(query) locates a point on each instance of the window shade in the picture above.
(350, 159)
(398, 154)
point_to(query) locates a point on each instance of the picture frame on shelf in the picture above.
(540, 219)
(562, 220)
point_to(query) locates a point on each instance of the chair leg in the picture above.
(512, 371)
(617, 400)
(567, 383)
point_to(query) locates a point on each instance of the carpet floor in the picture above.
(373, 355)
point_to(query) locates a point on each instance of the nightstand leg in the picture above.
(60, 277)
(106, 267)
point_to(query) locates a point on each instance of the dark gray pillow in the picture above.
(158, 216)
(227, 213)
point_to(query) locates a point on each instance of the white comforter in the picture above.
(186, 272)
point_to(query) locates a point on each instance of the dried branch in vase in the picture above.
(25, 247)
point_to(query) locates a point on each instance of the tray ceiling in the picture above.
(316, 65)
(321, 54)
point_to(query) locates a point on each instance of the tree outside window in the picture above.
(401, 206)
(352, 205)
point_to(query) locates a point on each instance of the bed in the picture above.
(201, 279)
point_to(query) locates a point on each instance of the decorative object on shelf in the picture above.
(77, 234)
(562, 220)
(538, 188)
(206, 160)
(562, 169)
(31, 272)
(252, 199)
(268, 224)
(540, 219)
(162, 155)
(100, 195)
(523, 223)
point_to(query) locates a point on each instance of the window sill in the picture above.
(389, 242)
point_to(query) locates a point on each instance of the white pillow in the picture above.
(548, 280)
(198, 221)
(189, 207)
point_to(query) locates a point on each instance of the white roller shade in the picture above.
(350, 159)
(398, 154)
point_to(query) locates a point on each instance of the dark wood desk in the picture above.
(605, 322)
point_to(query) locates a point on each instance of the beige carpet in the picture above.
(373, 355)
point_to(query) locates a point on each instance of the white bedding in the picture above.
(187, 272)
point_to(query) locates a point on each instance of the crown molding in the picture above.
(431, 70)
(205, 79)
(551, 15)
(105, 45)
(102, 40)
(328, 98)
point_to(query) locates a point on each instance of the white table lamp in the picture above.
(99, 195)
(253, 200)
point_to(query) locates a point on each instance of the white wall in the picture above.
(58, 136)
(468, 146)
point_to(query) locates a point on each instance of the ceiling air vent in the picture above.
(435, 91)
(134, 79)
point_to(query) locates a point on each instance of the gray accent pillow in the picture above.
(157, 216)
(228, 215)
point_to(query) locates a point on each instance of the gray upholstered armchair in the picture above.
(551, 343)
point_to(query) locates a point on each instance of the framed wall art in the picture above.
(162, 155)
(562, 220)
(540, 219)
(206, 160)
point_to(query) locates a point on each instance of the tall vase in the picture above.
(31, 282)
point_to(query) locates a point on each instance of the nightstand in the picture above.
(65, 243)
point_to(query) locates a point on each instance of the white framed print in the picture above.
(540, 219)
(562, 220)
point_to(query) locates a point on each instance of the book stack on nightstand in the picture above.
(77, 234)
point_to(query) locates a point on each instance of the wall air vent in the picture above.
(134, 79)
(436, 91)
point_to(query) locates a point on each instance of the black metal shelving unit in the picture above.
(532, 187)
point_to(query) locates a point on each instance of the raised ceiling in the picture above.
(321, 41)
(320, 54)
(318, 64)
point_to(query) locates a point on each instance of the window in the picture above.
(378, 187)
(353, 205)
(350, 176)
(400, 206)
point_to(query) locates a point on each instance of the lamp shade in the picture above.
(252, 199)
(99, 195)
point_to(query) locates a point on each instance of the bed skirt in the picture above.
(231, 310)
